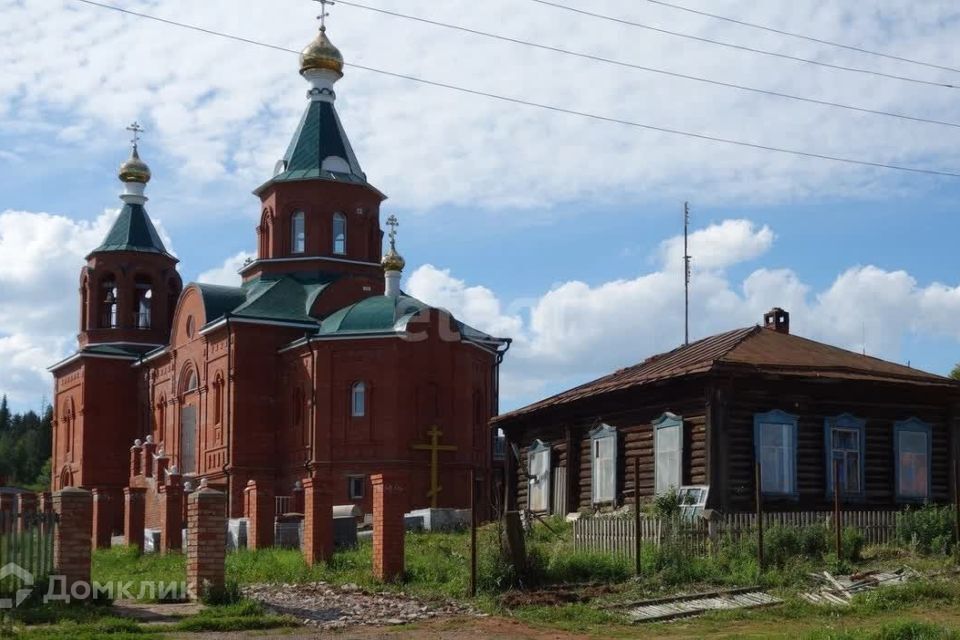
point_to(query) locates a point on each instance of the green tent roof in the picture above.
(373, 315)
(319, 136)
(133, 231)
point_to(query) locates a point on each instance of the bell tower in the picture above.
(130, 285)
(318, 212)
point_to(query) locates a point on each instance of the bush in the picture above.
(928, 529)
(228, 594)
(851, 544)
(666, 504)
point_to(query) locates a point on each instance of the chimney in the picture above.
(777, 320)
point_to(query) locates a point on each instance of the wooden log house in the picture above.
(703, 415)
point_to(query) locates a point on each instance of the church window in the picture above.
(668, 454)
(775, 440)
(912, 446)
(356, 487)
(190, 326)
(844, 438)
(108, 304)
(143, 316)
(68, 423)
(190, 380)
(538, 477)
(161, 418)
(358, 400)
(298, 230)
(339, 234)
(603, 458)
(218, 400)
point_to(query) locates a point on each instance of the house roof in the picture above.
(283, 299)
(751, 349)
(133, 231)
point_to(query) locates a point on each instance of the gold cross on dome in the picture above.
(137, 130)
(393, 223)
(324, 13)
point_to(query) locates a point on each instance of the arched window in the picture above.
(218, 399)
(339, 233)
(161, 418)
(143, 316)
(266, 232)
(108, 304)
(84, 311)
(188, 380)
(358, 400)
(298, 233)
(68, 423)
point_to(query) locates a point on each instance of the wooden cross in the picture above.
(137, 130)
(323, 13)
(434, 447)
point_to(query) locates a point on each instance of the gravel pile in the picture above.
(328, 607)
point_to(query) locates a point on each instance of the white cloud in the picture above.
(41, 256)
(719, 246)
(227, 274)
(222, 112)
(577, 331)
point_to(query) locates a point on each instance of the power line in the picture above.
(740, 47)
(528, 103)
(793, 34)
(629, 65)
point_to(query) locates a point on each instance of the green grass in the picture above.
(242, 616)
(898, 631)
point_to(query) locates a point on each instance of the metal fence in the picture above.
(26, 545)
(617, 535)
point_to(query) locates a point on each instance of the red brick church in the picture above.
(316, 367)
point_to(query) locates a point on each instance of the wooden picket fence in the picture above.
(616, 535)
(26, 540)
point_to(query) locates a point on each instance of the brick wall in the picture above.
(317, 520)
(71, 543)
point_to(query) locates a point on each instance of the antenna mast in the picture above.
(686, 274)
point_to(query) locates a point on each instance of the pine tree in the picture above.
(4, 414)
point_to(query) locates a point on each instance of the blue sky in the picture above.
(557, 231)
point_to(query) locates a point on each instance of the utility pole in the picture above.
(686, 273)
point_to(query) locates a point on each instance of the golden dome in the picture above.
(321, 54)
(134, 169)
(393, 261)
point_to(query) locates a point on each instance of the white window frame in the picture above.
(661, 483)
(845, 423)
(339, 220)
(787, 423)
(351, 486)
(539, 477)
(358, 399)
(912, 426)
(603, 474)
(298, 232)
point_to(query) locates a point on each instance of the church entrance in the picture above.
(188, 439)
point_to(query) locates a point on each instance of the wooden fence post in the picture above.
(759, 500)
(836, 509)
(473, 533)
(637, 538)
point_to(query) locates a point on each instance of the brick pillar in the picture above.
(7, 501)
(258, 508)
(102, 519)
(71, 540)
(389, 507)
(171, 518)
(317, 520)
(161, 464)
(146, 463)
(134, 516)
(26, 507)
(46, 502)
(136, 458)
(206, 540)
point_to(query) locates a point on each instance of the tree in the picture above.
(4, 414)
(955, 374)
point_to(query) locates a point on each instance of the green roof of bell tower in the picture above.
(320, 150)
(133, 231)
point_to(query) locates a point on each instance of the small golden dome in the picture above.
(321, 54)
(135, 169)
(393, 261)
